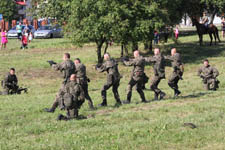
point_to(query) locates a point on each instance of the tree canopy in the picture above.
(8, 9)
(124, 21)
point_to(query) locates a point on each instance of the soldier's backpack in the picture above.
(68, 101)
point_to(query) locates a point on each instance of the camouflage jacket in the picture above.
(67, 67)
(158, 65)
(72, 95)
(111, 67)
(208, 72)
(176, 61)
(139, 67)
(9, 80)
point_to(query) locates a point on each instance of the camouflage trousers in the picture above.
(84, 86)
(154, 84)
(139, 84)
(58, 98)
(114, 83)
(174, 79)
(211, 84)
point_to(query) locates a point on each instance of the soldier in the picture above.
(82, 79)
(113, 79)
(71, 99)
(68, 68)
(159, 73)
(9, 84)
(178, 70)
(208, 75)
(137, 76)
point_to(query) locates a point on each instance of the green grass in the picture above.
(155, 125)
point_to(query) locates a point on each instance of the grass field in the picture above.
(151, 126)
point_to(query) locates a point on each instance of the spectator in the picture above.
(4, 39)
(19, 31)
(223, 27)
(24, 41)
(156, 37)
(30, 37)
(176, 32)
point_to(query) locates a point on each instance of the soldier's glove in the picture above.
(51, 62)
(88, 80)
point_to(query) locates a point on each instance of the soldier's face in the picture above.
(206, 63)
(156, 51)
(76, 62)
(136, 54)
(173, 51)
(12, 72)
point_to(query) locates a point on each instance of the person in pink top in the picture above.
(176, 32)
(4, 39)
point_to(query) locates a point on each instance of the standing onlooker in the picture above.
(176, 32)
(19, 31)
(24, 41)
(4, 39)
(223, 27)
(30, 37)
(156, 37)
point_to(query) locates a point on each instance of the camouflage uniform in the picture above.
(68, 68)
(71, 99)
(9, 84)
(159, 73)
(209, 74)
(113, 79)
(137, 77)
(177, 72)
(82, 79)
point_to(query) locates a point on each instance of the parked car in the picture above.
(48, 32)
(12, 33)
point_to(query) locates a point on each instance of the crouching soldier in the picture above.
(71, 99)
(208, 75)
(9, 84)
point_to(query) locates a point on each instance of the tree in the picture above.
(8, 9)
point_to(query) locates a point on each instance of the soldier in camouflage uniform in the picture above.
(68, 68)
(82, 79)
(208, 75)
(159, 73)
(71, 99)
(9, 83)
(177, 71)
(137, 76)
(113, 79)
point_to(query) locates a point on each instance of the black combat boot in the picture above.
(103, 104)
(162, 95)
(52, 109)
(176, 93)
(118, 103)
(61, 117)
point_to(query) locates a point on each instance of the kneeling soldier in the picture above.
(208, 75)
(71, 98)
(9, 84)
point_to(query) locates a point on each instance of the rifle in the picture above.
(18, 90)
(51, 62)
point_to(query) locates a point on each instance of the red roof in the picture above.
(21, 3)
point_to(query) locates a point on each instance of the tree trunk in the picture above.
(99, 51)
(134, 46)
(122, 48)
(150, 45)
